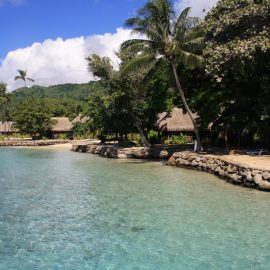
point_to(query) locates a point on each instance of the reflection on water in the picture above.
(64, 210)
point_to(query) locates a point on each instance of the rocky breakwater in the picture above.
(114, 151)
(231, 172)
(32, 143)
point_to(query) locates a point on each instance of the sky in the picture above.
(51, 38)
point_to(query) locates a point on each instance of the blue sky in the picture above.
(29, 21)
(51, 38)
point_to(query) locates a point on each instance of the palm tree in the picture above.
(23, 76)
(4, 100)
(166, 38)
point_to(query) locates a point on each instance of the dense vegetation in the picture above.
(237, 55)
(32, 116)
(218, 67)
(63, 100)
(72, 91)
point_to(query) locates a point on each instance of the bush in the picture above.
(178, 139)
(63, 136)
(153, 137)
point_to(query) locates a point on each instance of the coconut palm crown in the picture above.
(23, 76)
(167, 37)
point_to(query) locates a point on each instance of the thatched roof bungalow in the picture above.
(6, 128)
(175, 121)
(61, 125)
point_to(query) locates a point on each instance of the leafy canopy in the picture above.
(32, 117)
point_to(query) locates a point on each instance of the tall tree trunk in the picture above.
(182, 95)
(144, 141)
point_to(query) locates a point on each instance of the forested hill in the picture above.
(69, 91)
(62, 100)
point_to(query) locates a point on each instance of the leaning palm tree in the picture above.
(167, 37)
(23, 76)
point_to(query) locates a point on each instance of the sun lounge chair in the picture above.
(254, 152)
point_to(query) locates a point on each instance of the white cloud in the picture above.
(199, 8)
(60, 61)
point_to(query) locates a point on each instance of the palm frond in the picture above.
(18, 78)
(193, 40)
(166, 15)
(31, 80)
(182, 17)
(132, 22)
(153, 67)
(184, 25)
(135, 42)
(137, 63)
(190, 60)
(22, 72)
(194, 44)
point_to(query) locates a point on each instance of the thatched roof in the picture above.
(62, 124)
(175, 121)
(80, 119)
(7, 127)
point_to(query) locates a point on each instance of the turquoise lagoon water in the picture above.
(64, 210)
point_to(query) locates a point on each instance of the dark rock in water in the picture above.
(89, 255)
(137, 229)
(30, 247)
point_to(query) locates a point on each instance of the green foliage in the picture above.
(63, 136)
(4, 101)
(237, 57)
(168, 38)
(123, 104)
(167, 35)
(69, 91)
(237, 33)
(154, 137)
(32, 117)
(178, 139)
(63, 100)
(101, 67)
(84, 130)
(13, 136)
(108, 110)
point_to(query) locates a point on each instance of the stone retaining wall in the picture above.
(233, 173)
(32, 143)
(113, 151)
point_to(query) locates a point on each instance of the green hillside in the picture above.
(69, 91)
(63, 99)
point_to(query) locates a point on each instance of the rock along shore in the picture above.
(178, 156)
(113, 151)
(231, 172)
(32, 143)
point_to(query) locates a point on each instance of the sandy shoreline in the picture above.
(256, 162)
(59, 146)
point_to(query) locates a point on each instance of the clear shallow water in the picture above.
(64, 210)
